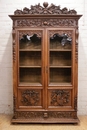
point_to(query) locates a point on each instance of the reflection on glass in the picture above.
(60, 56)
(60, 41)
(30, 42)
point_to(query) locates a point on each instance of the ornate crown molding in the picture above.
(45, 9)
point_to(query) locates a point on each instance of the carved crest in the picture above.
(45, 9)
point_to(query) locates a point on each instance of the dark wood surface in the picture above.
(45, 69)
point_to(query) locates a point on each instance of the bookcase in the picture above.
(45, 64)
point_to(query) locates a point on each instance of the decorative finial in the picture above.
(45, 4)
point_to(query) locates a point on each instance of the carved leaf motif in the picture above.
(30, 97)
(47, 22)
(35, 115)
(38, 9)
(30, 32)
(60, 97)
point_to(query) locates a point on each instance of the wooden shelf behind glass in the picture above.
(60, 50)
(30, 66)
(29, 49)
(60, 66)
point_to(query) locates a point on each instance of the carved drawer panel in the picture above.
(59, 98)
(29, 98)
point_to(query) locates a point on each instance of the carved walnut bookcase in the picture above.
(45, 64)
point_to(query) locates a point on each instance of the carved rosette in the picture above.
(52, 9)
(60, 97)
(30, 98)
(30, 32)
(14, 49)
(46, 22)
(76, 47)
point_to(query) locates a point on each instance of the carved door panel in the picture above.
(30, 68)
(60, 65)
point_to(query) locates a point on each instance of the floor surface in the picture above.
(5, 124)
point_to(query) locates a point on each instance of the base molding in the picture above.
(45, 117)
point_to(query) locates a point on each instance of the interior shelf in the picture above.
(60, 75)
(30, 50)
(29, 58)
(60, 50)
(60, 58)
(30, 66)
(30, 75)
(29, 84)
(60, 66)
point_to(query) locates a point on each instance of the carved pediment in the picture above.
(45, 9)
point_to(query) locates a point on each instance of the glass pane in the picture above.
(29, 58)
(30, 42)
(60, 75)
(60, 41)
(30, 75)
(60, 58)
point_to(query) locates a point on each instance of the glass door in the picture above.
(30, 58)
(60, 58)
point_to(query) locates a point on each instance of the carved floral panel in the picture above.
(30, 97)
(40, 22)
(60, 98)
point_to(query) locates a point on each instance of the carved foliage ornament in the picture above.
(30, 33)
(30, 98)
(40, 115)
(60, 97)
(38, 9)
(46, 22)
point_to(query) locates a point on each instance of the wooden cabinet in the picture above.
(45, 64)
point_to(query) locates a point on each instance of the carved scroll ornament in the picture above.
(38, 9)
(47, 22)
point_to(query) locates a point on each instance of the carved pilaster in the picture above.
(76, 47)
(14, 45)
(14, 107)
(75, 103)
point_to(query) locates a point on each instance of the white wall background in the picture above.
(8, 7)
